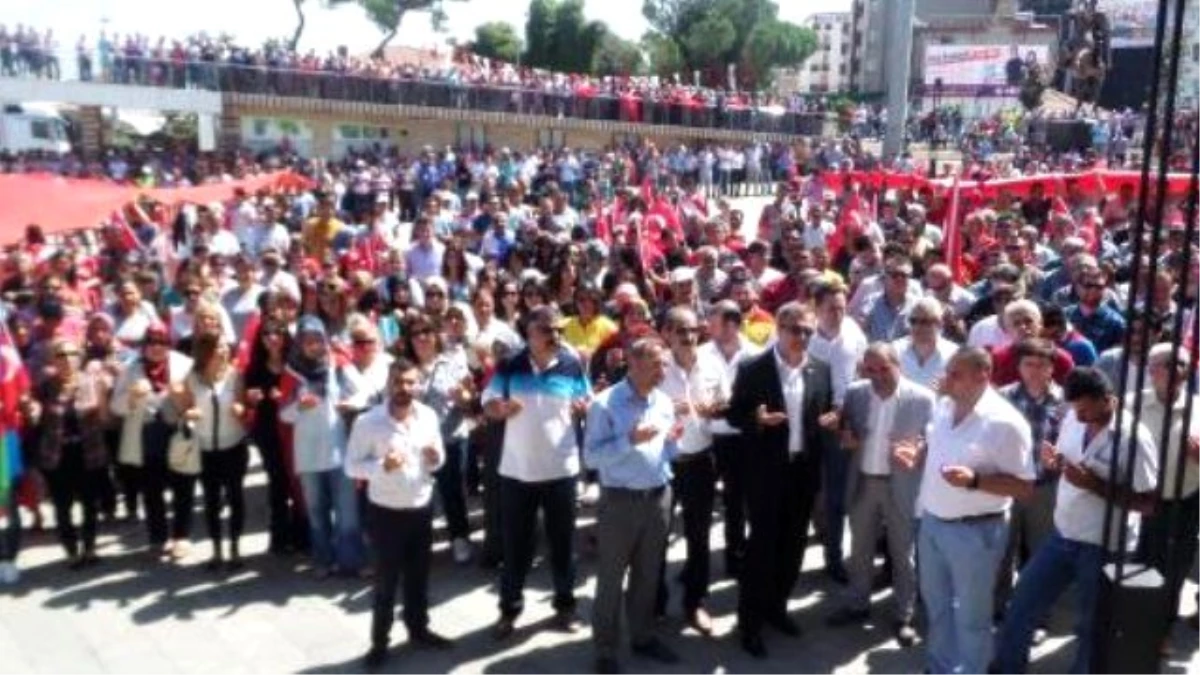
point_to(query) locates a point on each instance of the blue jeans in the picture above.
(1056, 564)
(957, 572)
(333, 519)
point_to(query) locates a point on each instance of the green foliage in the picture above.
(663, 55)
(539, 32)
(387, 14)
(559, 37)
(616, 56)
(498, 40)
(709, 34)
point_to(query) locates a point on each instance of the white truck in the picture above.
(24, 128)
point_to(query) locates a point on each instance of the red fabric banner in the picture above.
(60, 204)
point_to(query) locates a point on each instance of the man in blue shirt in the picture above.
(631, 435)
(1097, 321)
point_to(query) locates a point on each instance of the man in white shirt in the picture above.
(695, 384)
(977, 459)
(396, 447)
(729, 348)
(924, 353)
(840, 343)
(878, 410)
(1075, 551)
(424, 258)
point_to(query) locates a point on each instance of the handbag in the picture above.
(183, 454)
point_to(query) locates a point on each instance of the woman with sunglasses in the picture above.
(140, 399)
(288, 525)
(210, 398)
(317, 399)
(70, 451)
(447, 387)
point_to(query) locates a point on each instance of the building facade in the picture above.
(827, 70)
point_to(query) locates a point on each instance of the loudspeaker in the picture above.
(1133, 609)
(1068, 135)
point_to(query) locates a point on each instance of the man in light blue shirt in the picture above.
(631, 435)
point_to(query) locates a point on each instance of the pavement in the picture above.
(133, 614)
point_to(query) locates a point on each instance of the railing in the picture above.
(437, 93)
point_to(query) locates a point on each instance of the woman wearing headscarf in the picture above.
(316, 399)
(141, 399)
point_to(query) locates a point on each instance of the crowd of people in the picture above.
(457, 78)
(539, 330)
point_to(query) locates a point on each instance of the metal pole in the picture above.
(896, 72)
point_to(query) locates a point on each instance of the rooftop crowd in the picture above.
(540, 331)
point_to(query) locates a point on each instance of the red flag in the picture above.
(952, 234)
(849, 223)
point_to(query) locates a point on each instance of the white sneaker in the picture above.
(462, 550)
(591, 494)
(9, 572)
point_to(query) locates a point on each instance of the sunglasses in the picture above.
(434, 294)
(65, 354)
(688, 330)
(550, 330)
(192, 294)
(1093, 286)
(920, 321)
(798, 330)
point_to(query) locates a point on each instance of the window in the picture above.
(349, 132)
(471, 135)
(40, 129)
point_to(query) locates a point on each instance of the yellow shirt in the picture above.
(588, 337)
(319, 235)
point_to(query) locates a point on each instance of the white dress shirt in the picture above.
(876, 449)
(792, 381)
(842, 352)
(988, 333)
(1153, 412)
(377, 433)
(1079, 514)
(925, 373)
(993, 438)
(711, 352)
(698, 385)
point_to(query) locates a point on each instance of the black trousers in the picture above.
(403, 541)
(696, 487)
(520, 503)
(780, 510)
(149, 482)
(1168, 542)
(731, 469)
(68, 483)
(452, 489)
(222, 475)
(491, 440)
(288, 525)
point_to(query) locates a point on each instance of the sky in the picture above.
(253, 21)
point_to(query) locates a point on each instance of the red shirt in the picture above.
(1004, 365)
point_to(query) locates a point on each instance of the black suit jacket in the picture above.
(766, 448)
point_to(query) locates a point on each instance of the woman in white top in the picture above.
(211, 400)
(140, 399)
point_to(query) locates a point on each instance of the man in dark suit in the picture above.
(782, 401)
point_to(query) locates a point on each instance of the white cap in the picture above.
(683, 275)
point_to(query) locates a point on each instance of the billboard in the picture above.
(974, 69)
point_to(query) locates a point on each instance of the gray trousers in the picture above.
(631, 533)
(874, 506)
(1029, 524)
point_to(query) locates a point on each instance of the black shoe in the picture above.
(235, 564)
(90, 559)
(906, 634)
(847, 616)
(607, 666)
(838, 574)
(76, 562)
(375, 658)
(566, 621)
(881, 581)
(427, 639)
(656, 651)
(215, 564)
(784, 624)
(752, 644)
(504, 628)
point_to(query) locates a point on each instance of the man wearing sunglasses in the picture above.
(778, 401)
(540, 394)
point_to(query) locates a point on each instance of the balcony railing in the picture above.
(437, 93)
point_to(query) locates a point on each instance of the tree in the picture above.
(539, 32)
(497, 40)
(775, 43)
(299, 6)
(616, 56)
(663, 55)
(709, 34)
(387, 15)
